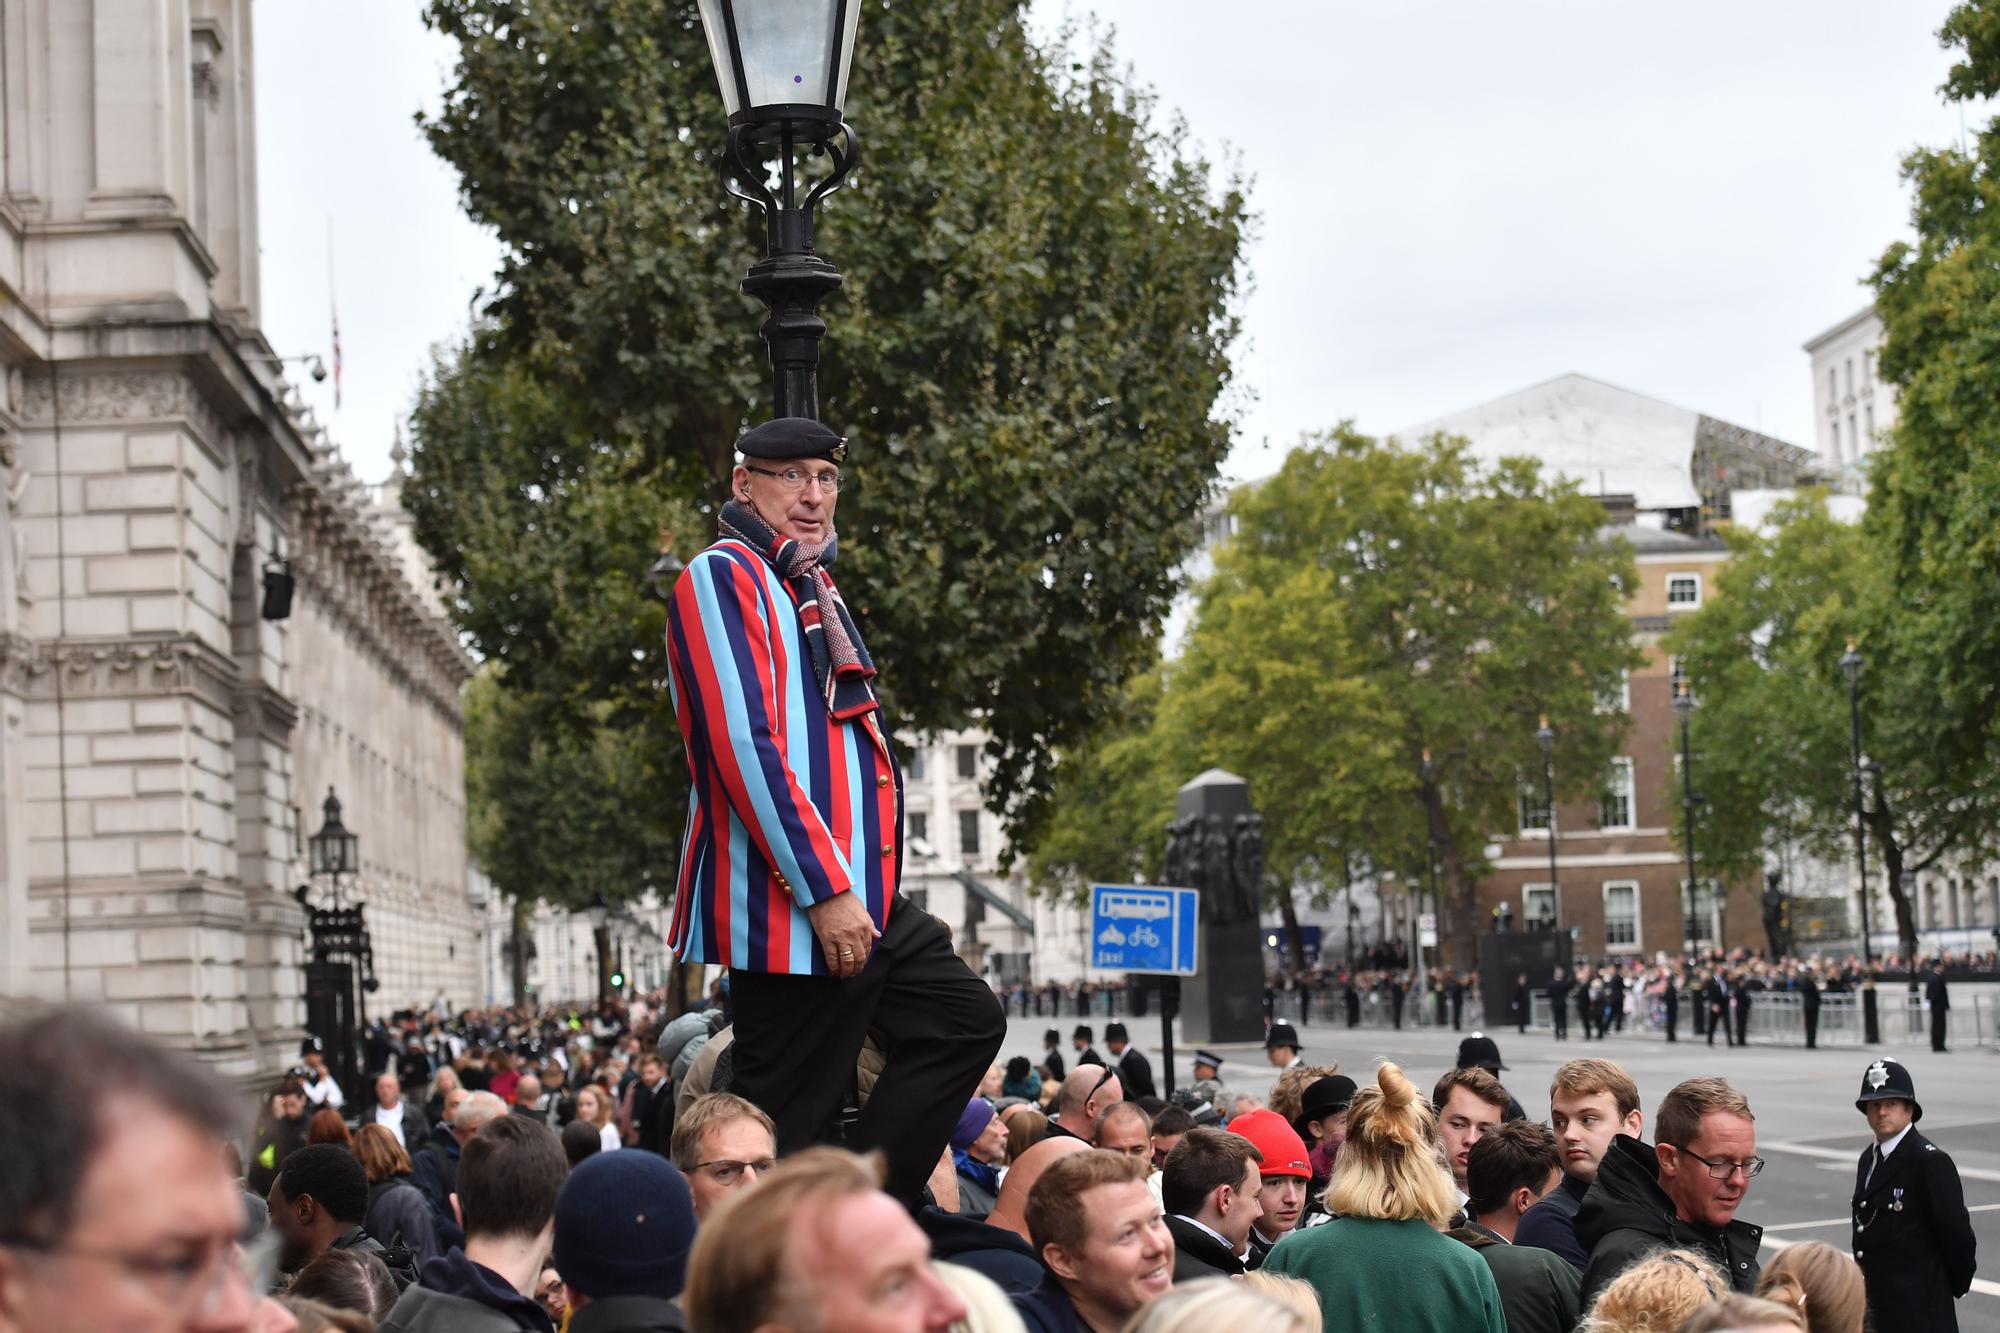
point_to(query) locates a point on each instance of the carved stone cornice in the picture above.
(274, 715)
(121, 668)
(342, 563)
(118, 395)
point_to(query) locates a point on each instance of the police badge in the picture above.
(1878, 1074)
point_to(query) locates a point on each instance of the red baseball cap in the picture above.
(1284, 1151)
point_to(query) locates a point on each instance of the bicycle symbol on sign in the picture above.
(1146, 937)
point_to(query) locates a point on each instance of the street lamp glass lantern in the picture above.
(782, 62)
(333, 850)
(598, 912)
(1683, 702)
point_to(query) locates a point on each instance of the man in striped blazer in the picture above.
(791, 864)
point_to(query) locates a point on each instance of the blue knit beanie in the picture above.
(624, 1224)
(972, 1122)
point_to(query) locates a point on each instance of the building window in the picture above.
(1683, 592)
(1621, 916)
(1853, 438)
(968, 762)
(920, 826)
(1850, 376)
(1614, 808)
(1833, 439)
(1868, 421)
(968, 834)
(1867, 366)
(1534, 814)
(915, 772)
(1538, 905)
(1832, 385)
(919, 898)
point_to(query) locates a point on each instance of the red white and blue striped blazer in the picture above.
(788, 806)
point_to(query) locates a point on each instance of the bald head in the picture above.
(1010, 1210)
(528, 1091)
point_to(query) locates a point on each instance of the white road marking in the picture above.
(1844, 1221)
(1850, 1157)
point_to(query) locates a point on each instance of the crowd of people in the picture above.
(591, 1172)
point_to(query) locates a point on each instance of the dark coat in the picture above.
(1551, 1224)
(1198, 1254)
(1537, 1289)
(398, 1214)
(994, 1251)
(629, 1314)
(1135, 1074)
(1916, 1258)
(456, 1295)
(1047, 1309)
(1626, 1213)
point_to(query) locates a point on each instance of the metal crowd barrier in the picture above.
(1777, 1018)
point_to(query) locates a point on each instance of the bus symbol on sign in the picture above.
(1139, 928)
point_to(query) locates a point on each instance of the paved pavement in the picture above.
(1807, 1128)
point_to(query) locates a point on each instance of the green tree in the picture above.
(549, 799)
(1378, 601)
(1030, 353)
(1934, 504)
(1772, 741)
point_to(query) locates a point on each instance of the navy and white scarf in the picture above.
(840, 662)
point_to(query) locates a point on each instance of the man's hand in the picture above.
(846, 932)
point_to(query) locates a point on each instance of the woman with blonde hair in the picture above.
(1384, 1263)
(1737, 1313)
(988, 1309)
(593, 1105)
(1211, 1303)
(1821, 1283)
(1656, 1295)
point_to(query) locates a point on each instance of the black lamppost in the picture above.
(600, 934)
(333, 851)
(783, 69)
(1431, 873)
(341, 968)
(1545, 736)
(1684, 710)
(1851, 663)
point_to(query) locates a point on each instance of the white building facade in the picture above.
(165, 738)
(1853, 408)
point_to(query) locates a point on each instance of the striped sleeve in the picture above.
(721, 619)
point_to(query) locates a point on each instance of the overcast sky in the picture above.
(1456, 200)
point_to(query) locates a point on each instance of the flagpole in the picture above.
(333, 307)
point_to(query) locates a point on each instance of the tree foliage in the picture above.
(1934, 506)
(1376, 601)
(1772, 740)
(1030, 354)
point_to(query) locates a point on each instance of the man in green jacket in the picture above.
(1510, 1168)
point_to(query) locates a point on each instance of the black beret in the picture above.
(793, 437)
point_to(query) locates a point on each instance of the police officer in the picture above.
(1912, 1235)
(1207, 1085)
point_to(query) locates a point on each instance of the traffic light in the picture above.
(617, 980)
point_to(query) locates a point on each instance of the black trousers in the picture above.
(940, 1027)
(1742, 1024)
(1812, 1027)
(1673, 1016)
(1940, 1023)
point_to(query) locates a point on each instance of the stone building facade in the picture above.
(164, 745)
(1853, 407)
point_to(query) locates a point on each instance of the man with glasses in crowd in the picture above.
(794, 851)
(1682, 1193)
(116, 1212)
(723, 1144)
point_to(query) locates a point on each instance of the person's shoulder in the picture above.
(1930, 1155)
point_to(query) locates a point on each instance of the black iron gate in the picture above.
(339, 973)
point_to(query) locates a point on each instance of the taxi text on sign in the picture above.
(1140, 928)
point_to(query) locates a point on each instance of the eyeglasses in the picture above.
(797, 479)
(193, 1282)
(1724, 1170)
(725, 1172)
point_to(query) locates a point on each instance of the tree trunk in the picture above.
(1288, 912)
(1883, 826)
(1458, 898)
(517, 953)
